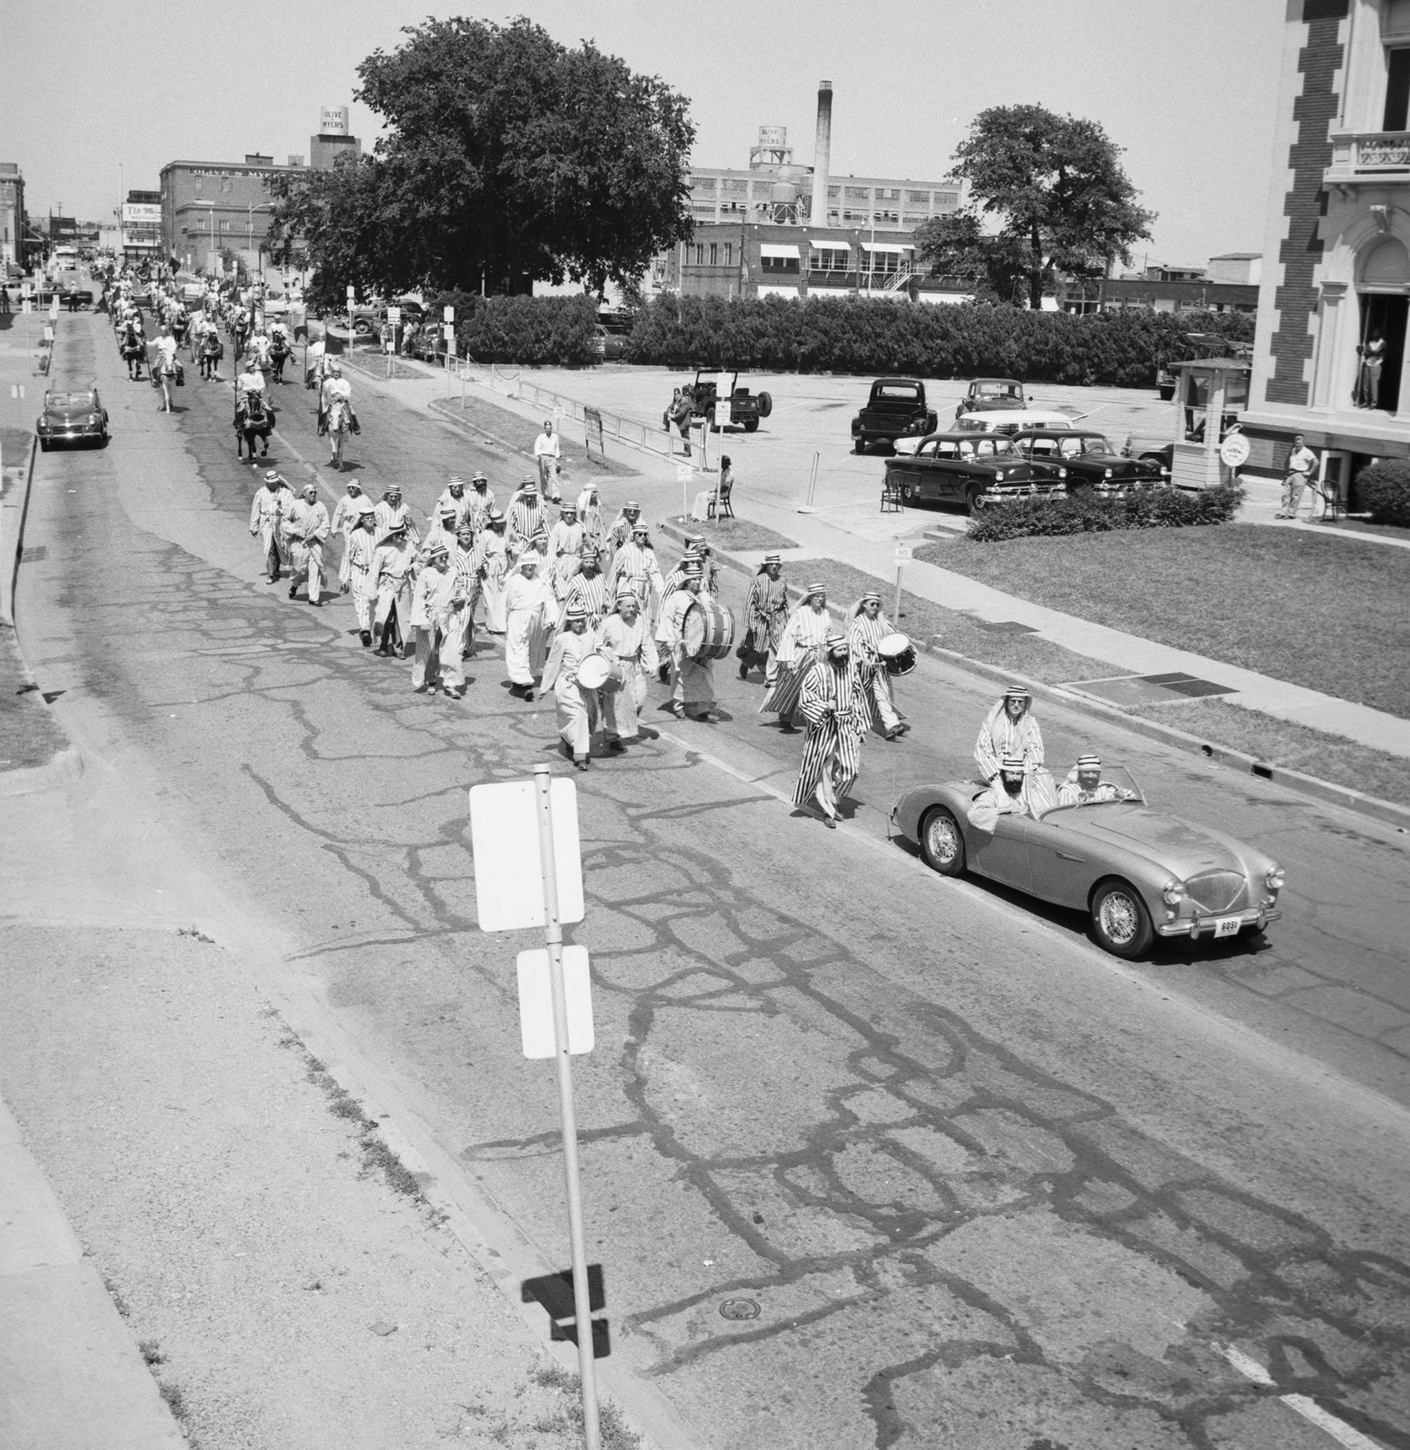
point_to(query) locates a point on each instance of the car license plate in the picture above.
(1227, 925)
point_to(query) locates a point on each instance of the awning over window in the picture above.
(886, 247)
(775, 249)
(830, 246)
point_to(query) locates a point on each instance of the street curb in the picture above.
(66, 765)
(1307, 785)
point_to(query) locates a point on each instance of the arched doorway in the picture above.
(1383, 288)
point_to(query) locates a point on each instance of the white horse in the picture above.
(340, 422)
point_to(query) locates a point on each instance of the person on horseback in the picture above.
(313, 363)
(336, 412)
(212, 349)
(279, 349)
(133, 347)
(253, 415)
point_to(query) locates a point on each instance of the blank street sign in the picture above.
(536, 1001)
(504, 835)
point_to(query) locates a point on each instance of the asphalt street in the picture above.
(974, 1182)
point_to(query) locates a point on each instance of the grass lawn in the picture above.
(1028, 657)
(1330, 614)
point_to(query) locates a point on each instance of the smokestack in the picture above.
(822, 155)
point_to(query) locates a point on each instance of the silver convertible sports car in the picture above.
(1138, 872)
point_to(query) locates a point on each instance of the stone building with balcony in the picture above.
(1335, 288)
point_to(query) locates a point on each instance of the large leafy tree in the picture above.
(1057, 190)
(507, 159)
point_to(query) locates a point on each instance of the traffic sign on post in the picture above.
(536, 1001)
(504, 836)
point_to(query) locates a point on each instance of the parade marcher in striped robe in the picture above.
(524, 517)
(688, 566)
(869, 627)
(480, 501)
(576, 705)
(590, 517)
(587, 589)
(271, 503)
(621, 529)
(306, 529)
(496, 571)
(1014, 791)
(799, 645)
(440, 533)
(348, 510)
(355, 570)
(393, 513)
(393, 573)
(836, 713)
(453, 498)
(635, 564)
(693, 681)
(467, 561)
(565, 549)
(766, 615)
(1009, 729)
(629, 648)
(430, 616)
(526, 598)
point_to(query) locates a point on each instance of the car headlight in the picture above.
(1173, 893)
(1274, 877)
(999, 476)
(1106, 473)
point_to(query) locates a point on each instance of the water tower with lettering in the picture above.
(334, 139)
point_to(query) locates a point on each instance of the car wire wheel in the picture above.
(1120, 921)
(942, 842)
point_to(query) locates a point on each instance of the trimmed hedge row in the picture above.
(1157, 507)
(1383, 490)
(1114, 349)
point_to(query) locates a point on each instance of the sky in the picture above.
(97, 96)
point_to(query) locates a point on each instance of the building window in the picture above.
(700, 254)
(829, 259)
(714, 254)
(1397, 112)
(729, 254)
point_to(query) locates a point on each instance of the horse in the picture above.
(254, 418)
(338, 422)
(278, 355)
(133, 350)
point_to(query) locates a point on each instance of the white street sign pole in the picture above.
(553, 940)
(903, 552)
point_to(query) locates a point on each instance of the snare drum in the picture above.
(897, 653)
(708, 630)
(594, 672)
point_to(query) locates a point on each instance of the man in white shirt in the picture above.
(1302, 465)
(547, 454)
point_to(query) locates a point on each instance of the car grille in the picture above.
(1218, 891)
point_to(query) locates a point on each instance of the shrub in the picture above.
(1156, 507)
(1383, 490)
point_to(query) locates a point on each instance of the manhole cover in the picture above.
(739, 1309)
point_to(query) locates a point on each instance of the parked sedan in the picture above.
(987, 395)
(973, 469)
(1138, 872)
(72, 417)
(1089, 461)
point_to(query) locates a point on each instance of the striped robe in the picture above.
(833, 705)
(864, 636)
(799, 645)
(999, 736)
(766, 615)
(590, 594)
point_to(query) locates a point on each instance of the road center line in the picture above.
(1309, 1409)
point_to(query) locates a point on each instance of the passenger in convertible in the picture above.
(1015, 791)
(1084, 785)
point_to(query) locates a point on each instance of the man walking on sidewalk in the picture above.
(1302, 464)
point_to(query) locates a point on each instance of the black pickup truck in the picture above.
(896, 409)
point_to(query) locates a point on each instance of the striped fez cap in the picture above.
(871, 594)
(1011, 762)
(816, 588)
(1089, 761)
(1018, 692)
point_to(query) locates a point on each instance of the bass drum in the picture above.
(594, 673)
(897, 653)
(708, 630)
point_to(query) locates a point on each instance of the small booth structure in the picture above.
(1213, 386)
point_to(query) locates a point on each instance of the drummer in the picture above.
(868, 628)
(631, 655)
(692, 680)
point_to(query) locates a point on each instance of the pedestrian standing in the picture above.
(1302, 465)
(526, 599)
(306, 528)
(431, 597)
(355, 570)
(393, 573)
(692, 680)
(868, 628)
(495, 572)
(766, 615)
(631, 656)
(548, 453)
